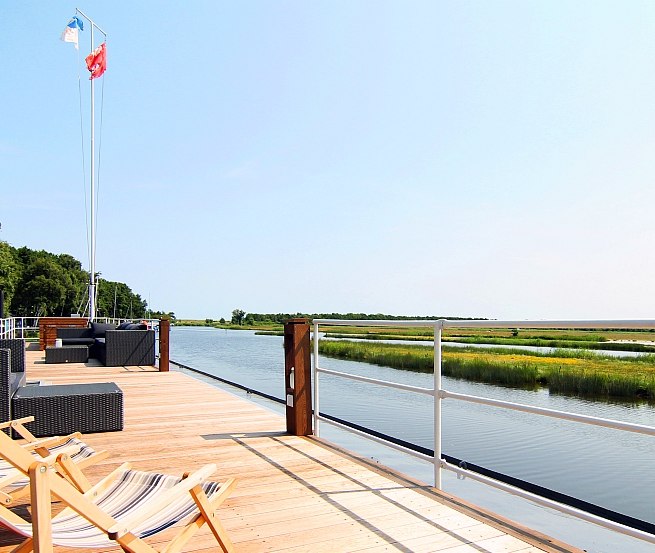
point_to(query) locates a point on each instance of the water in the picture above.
(603, 466)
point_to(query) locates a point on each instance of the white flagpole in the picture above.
(92, 261)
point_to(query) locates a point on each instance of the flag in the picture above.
(96, 61)
(70, 33)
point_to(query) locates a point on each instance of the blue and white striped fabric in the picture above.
(7, 469)
(132, 490)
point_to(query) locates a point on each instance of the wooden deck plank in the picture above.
(294, 494)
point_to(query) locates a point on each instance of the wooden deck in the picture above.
(294, 494)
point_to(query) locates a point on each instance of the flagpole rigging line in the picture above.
(90, 21)
(86, 203)
(92, 262)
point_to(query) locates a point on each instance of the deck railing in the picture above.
(439, 394)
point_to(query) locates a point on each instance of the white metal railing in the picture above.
(18, 327)
(439, 394)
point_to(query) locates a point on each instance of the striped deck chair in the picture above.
(122, 509)
(14, 484)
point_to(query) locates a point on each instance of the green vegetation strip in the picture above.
(542, 342)
(584, 374)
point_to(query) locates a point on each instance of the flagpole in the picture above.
(92, 261)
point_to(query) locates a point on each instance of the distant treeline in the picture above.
(241, 317)
(39, 283)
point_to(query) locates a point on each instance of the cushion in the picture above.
(99, 329)
(77, 341)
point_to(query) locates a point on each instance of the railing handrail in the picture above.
(492, 323)
(439, 394)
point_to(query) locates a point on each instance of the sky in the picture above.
(452, 158)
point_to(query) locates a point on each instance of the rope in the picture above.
(86, 200)
(102, 109)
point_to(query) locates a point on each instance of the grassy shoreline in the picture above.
(584, 375)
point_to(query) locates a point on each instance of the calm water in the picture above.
(606, 467)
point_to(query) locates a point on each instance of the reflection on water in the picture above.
(606, 467)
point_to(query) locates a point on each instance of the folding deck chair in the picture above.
(121, 509)
(16, 484)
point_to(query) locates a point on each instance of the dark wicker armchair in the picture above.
(126, 347)
(17, 347)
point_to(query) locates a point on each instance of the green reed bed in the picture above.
(597, 342)
(584, 374)
(548, 343)
(375, 336)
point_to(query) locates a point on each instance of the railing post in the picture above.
(317, 430)
(297, 377)
(437, 404)
(164, 342)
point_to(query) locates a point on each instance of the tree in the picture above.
(9, 273)
(237, 316)
(43, 288)
(41, 283)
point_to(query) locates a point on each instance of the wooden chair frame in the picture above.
(45, 482)
(42, 447)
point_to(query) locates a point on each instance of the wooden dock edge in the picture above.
(529, 535)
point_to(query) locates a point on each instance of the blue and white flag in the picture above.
(71, 31)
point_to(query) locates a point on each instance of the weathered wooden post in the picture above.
(164, 335)
(297, 376)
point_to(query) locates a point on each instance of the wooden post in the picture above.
(297, 377)
(164, 341)
(41, 508)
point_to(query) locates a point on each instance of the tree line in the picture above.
(39, 283)
(240, 317)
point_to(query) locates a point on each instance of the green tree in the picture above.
(9, 273)
(42, 289)
(237, 316)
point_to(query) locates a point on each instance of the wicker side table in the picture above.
(67, 354)
(62, 409)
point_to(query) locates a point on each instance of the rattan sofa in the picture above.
(61, 409)
(114, 347)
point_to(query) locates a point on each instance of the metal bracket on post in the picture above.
(297, 377)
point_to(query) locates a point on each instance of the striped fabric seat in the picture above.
(7, 471)
(131, 491)
(122, 508)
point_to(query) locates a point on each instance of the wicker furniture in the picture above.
(67, 354)
(17, 347)
(126, 348)
(62, 409)
(9, 383)
(113, 347)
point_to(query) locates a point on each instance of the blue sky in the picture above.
(459, 158)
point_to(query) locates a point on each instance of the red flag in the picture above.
(96, 61)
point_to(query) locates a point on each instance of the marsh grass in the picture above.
(585, 374)
(540, 342)
(589, 341)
